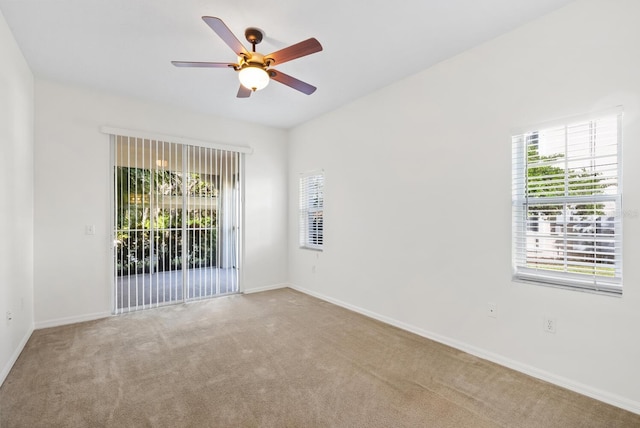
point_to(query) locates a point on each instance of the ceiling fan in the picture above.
(254, 69)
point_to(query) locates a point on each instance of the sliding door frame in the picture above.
(238, 231)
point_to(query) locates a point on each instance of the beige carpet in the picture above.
(272, 359)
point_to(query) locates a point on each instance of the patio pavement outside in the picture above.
(141, 291)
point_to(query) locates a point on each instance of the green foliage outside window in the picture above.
(149, 213)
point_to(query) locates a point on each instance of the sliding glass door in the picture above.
(177, 211)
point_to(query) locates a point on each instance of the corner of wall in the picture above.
(14, 357)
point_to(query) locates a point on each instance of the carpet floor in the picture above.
(273, 359)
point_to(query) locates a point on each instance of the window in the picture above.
(311, 210)
(567, 222)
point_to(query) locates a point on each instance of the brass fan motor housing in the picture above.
(253, 35)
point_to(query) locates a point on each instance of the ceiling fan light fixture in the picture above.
(253, 68)
(253, 77)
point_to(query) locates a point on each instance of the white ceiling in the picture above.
(125, 46)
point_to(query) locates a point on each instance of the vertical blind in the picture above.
(177, 211)
(567, 223)
(311, 221)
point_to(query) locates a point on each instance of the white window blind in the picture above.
(567, 222)
(177, 213)
(311, 225)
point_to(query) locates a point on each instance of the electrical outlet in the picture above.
(550, 325)
(313, 269)
(492, 310)
(9, 315)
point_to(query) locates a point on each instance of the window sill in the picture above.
(611, 292)
(303, 247)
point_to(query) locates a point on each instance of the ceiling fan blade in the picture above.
(306, 47)
(292, 82)
(244, 92)
(225, 34)
(202, 64)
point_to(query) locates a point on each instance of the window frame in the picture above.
(522, 201)
(311, 204)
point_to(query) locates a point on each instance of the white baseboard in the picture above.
(580, 388)
(265, 288)
(14, 357)
(71, 320)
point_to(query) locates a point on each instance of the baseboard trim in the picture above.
(580, 388)
(266, 288)
(14, 357)
(71, 320)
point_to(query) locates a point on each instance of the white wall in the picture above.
(72, 190)
(418, 227)
(16, 200)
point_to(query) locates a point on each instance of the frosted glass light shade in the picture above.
(254, 78)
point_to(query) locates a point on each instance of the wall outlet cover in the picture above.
(492, 310)
(549, 325)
